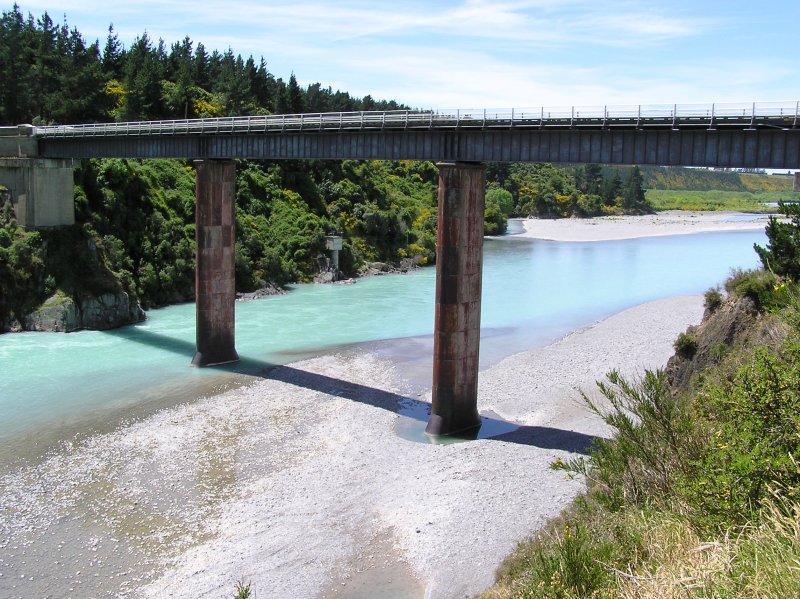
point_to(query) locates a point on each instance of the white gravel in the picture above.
(669, 222)
(453, 511)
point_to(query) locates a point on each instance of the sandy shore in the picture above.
(671, 222)
(307, 482)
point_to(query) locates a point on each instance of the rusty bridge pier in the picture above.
(459, 265)
(215, 283)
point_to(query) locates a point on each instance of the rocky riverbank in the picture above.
(61, 313)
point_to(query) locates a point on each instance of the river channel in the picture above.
(56, 385)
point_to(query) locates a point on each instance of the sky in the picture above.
(482, 54)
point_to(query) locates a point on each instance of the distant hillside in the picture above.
(696, 179)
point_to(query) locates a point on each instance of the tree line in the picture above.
(545, 191)
(51, 74)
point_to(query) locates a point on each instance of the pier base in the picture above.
(215, 284)
(459, 264)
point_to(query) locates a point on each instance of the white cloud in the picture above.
(532, 23)
(458, 53)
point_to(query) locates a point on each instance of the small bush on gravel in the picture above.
(243, 590)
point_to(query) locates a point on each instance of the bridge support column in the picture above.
(796, 183)
(215, 286)
(459, 262)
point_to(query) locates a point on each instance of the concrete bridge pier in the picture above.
(459, 265)
(41, 189)
(215, 285)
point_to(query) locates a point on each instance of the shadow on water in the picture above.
(414, 413)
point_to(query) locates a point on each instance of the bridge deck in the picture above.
(739, 116)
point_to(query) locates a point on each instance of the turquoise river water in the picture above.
(53, 385)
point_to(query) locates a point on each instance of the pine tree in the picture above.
(143, 75)
(633, 200)
(15, 62)
(295, 96)
(782, 254)
(200, 68)
(46, 67)
(113, 55)
(81, 84)
(612, 189)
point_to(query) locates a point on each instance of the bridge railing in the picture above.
(749, 115)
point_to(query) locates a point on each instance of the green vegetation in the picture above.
(702, 189)
(135, 228)
(713, 299)
(499, 206)
(685, 345)
(782, 254)
(739, 201)
(22, 268)
(51, 75)
(243, 590)
(544, 191)
(699, 179)
(698, 491)
(35, 265)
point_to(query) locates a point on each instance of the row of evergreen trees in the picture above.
(545, 191)
(50, 74)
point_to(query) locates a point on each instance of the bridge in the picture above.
(718, 135)
(38, 166)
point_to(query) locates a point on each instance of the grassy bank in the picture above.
(697, 492)
(739, 201)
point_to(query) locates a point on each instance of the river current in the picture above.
(56, 385)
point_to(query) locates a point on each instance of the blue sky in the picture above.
(481, 54)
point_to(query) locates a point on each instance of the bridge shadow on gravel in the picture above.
(412, 409)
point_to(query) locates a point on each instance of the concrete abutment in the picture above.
(41, 189)
(215, 282)
(459, 266)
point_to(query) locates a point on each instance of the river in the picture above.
(55, 386)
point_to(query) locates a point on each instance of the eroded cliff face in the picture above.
(64, 314)
(735, 325)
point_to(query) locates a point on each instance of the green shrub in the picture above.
(719, 351)
(755, 438)
(685, 345)
(649, 443)
(494, 221)
(713, 299)
(243, 590)
(761, 286)
(572, 568)
(782, 254)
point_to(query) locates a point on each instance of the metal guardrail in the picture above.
(782, 115)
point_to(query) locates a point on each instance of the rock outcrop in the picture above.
(265, 291)
(65, 314)
(736, 324)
